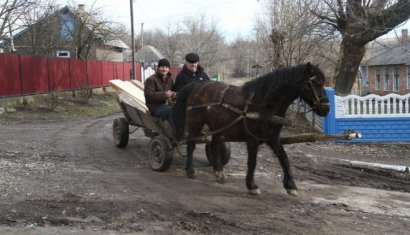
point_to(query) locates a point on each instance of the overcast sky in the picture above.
(232, 17)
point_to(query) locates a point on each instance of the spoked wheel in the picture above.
(120, 131)
(226, 155)
(159, 154)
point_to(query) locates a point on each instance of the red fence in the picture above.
(25, 75)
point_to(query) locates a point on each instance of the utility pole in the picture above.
(132, 41)
(142, 34)
(257, 52)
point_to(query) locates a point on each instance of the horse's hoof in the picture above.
(220, 176)
(292, 192)
(255, 191)
(190, 174)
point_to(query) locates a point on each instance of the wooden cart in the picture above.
(130, 97)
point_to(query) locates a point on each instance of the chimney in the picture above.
(404, 35)
(81, 7)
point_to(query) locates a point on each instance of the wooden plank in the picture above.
(129, 93)
(137, 83)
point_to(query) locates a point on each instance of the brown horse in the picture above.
(253, 113)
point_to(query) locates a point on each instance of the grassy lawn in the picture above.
(51, 109)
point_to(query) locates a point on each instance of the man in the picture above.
(158, 90)
(191, 72)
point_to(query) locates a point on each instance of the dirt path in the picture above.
(69, 178)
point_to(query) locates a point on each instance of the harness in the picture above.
(242, 114)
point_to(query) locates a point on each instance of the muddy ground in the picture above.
(67, 177)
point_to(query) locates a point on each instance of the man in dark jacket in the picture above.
(191, 72)
(158, 90)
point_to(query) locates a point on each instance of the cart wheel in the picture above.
(159, 154)
(226, 156)
(120, 132)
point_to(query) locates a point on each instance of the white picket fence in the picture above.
(146, 72)
(370, 106)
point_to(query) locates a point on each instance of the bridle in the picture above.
(317, 102)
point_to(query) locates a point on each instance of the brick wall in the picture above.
(372, 80)
(374, 128)
(386, 129)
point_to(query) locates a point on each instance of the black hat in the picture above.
(164, 62)
(192, 57)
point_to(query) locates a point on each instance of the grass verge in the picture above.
(73, 108)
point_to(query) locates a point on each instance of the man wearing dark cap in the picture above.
(158, 90)
(191, 72)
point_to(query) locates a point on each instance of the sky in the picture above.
(396, 32)
(232, 17)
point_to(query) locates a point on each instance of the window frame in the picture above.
(396, 78)
(408, 76)
(378, 84)
(386, 82)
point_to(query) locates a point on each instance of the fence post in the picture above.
(329, 122)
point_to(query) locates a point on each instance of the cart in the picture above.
(162, 147)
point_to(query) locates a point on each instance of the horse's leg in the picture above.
(194, 129)
(288, 181)
(252, 146)
(216, 149)
(189, 169)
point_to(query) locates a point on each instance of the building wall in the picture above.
(372, 80)
(50, 40)
(110, 55)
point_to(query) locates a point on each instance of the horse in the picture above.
(253, 113)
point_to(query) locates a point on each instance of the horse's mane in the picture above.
(279, 85)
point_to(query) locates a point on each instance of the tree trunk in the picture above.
(312, 137)
(350, 57)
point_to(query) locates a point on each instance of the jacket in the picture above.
(154, 90)
(187, 76)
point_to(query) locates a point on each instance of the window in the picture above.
(396, 78)
(63, 54)
(386, 79)
(408, 77)
(67, 27)
(378, 81)
(365, 77)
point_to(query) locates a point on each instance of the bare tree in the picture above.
(10, 12)
(290, 35)
(90, 27)
(203, 38)
(358, 22)
(193, 34)
(242, 56)
(171, 43)
(41, 37)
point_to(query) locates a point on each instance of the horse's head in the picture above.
(314, 93)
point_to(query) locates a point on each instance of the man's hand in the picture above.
(170, 94)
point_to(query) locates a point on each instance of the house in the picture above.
(388, 69)
(69, 33)
(148, 54)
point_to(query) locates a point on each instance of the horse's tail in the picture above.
(178, 113)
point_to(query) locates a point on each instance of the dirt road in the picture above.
(69, 178)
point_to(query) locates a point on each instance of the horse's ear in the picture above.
(309, 66)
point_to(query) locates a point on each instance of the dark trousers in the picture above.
(163, 111)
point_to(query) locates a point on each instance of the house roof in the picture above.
(148, 53)
(399, 54)
(115, 42)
